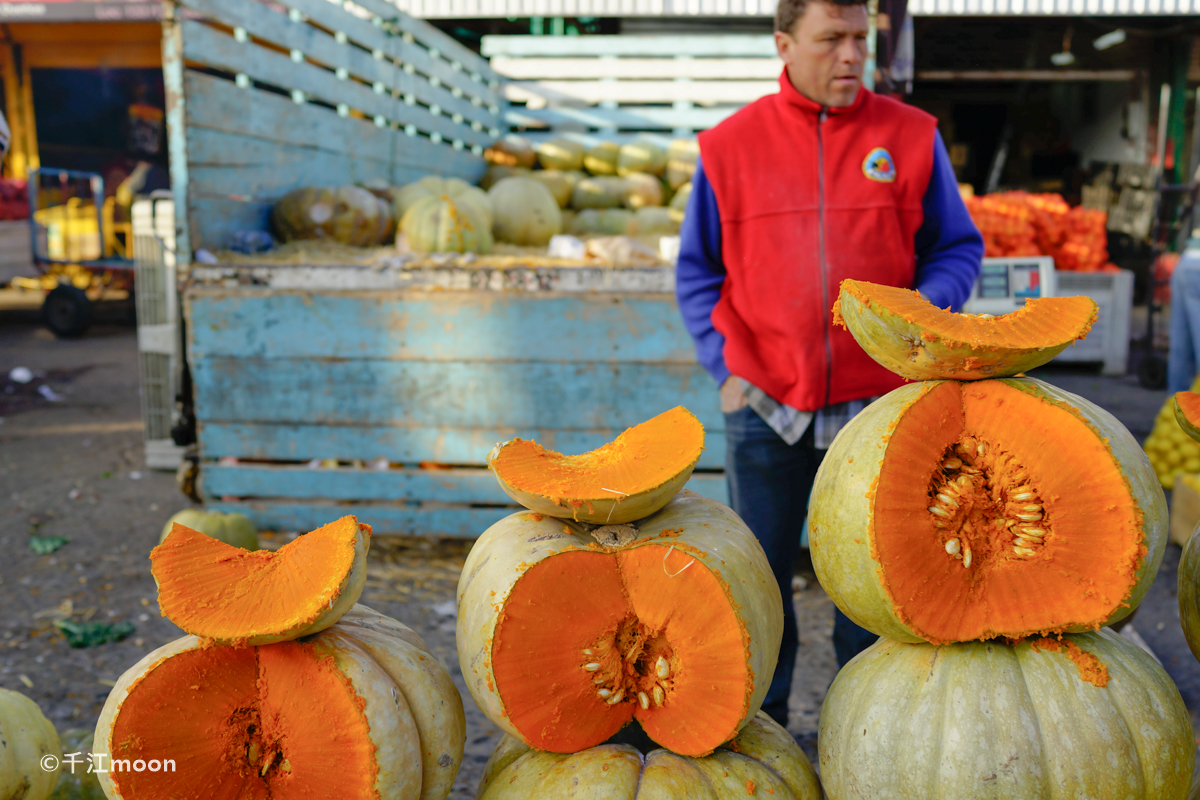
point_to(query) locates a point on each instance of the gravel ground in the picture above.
(73, 467)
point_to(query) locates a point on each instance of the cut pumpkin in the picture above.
(360, 710)
(567, 634)
(1187, 413)
(950, 511)
(918, 341)
(627, 479)
(220, 592)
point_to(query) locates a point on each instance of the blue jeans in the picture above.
(769, 484)
(1185, 325)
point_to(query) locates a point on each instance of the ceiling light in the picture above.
(1062, 59)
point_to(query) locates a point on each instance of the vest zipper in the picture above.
(821, 254)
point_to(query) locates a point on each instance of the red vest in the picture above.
(808, 197)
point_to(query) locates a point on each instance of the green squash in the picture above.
(1189, 592)
(28, 743)
(234, 529)
(989, 720)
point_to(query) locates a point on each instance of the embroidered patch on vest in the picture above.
(879, 166)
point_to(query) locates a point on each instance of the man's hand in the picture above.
(732, 396)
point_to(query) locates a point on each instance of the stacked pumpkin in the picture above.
(988, 526)
(616, 598)
(285, 687)
(631, 189)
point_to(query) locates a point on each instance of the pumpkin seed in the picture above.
(967, 557)
(952, 547)
(1033, 533)
(605, 693)
(1022, 496)
(643, 700)
(617, 697)
(948, 500)
(592, 667)
(1029, 517)
(662, 668)
(941, 512)
(659, 695)
(1023, 551)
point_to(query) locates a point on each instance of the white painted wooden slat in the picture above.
(706, 46)
(624, 118)
(591, 92)
(638, 68)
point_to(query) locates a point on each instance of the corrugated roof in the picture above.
(449, 9)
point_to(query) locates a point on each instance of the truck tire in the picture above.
(67, 311)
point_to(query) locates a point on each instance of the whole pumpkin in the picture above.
(641, 156)
(444, 225)
(985, 719)
(682, 155)
(234, 529)
(605, 222)
(764, 760)
(560, 153)
(561, 183)
(950, 511)
(601, 159)
(360, 710)
(656, 220)
(456, 189)
(26, 737)
(498, 172)
(526, 212)
(599, 192)
(642, 190)
(347, 214)
(511, 151)
(568, 632)
(1189, 591)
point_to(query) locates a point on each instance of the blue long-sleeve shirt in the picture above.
(948, 247)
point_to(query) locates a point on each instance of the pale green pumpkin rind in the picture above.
(1189, 591)
(841, 511)
(763, 753)
(984, 719)
(26, 737)
(711, 532)
(910, 350)
(1188, 426)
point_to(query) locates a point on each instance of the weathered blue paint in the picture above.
(404, 445)
(384, 518)
(452, 394)
(453, 326)
(463, 486)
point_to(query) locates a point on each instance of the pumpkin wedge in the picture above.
(1187, 413)
(360, 710)
(1091, 716)
(567, 633)
(950, 511)
(627, 479)
(764, 760)
(220, 592)
(916, 340)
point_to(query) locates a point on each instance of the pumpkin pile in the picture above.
(1024, 224)
(1171, 450)
(285, 687)
(617, 598)
(609, 189)
(988, 526)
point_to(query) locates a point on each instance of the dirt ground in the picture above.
(71, 466)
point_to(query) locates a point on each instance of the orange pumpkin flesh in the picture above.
(217, 591)
(1187, 412)
(627, 479)
(916, 340)
(640, 608)
(242, 723)
(1083, 564)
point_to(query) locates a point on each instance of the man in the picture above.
(794, 193)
